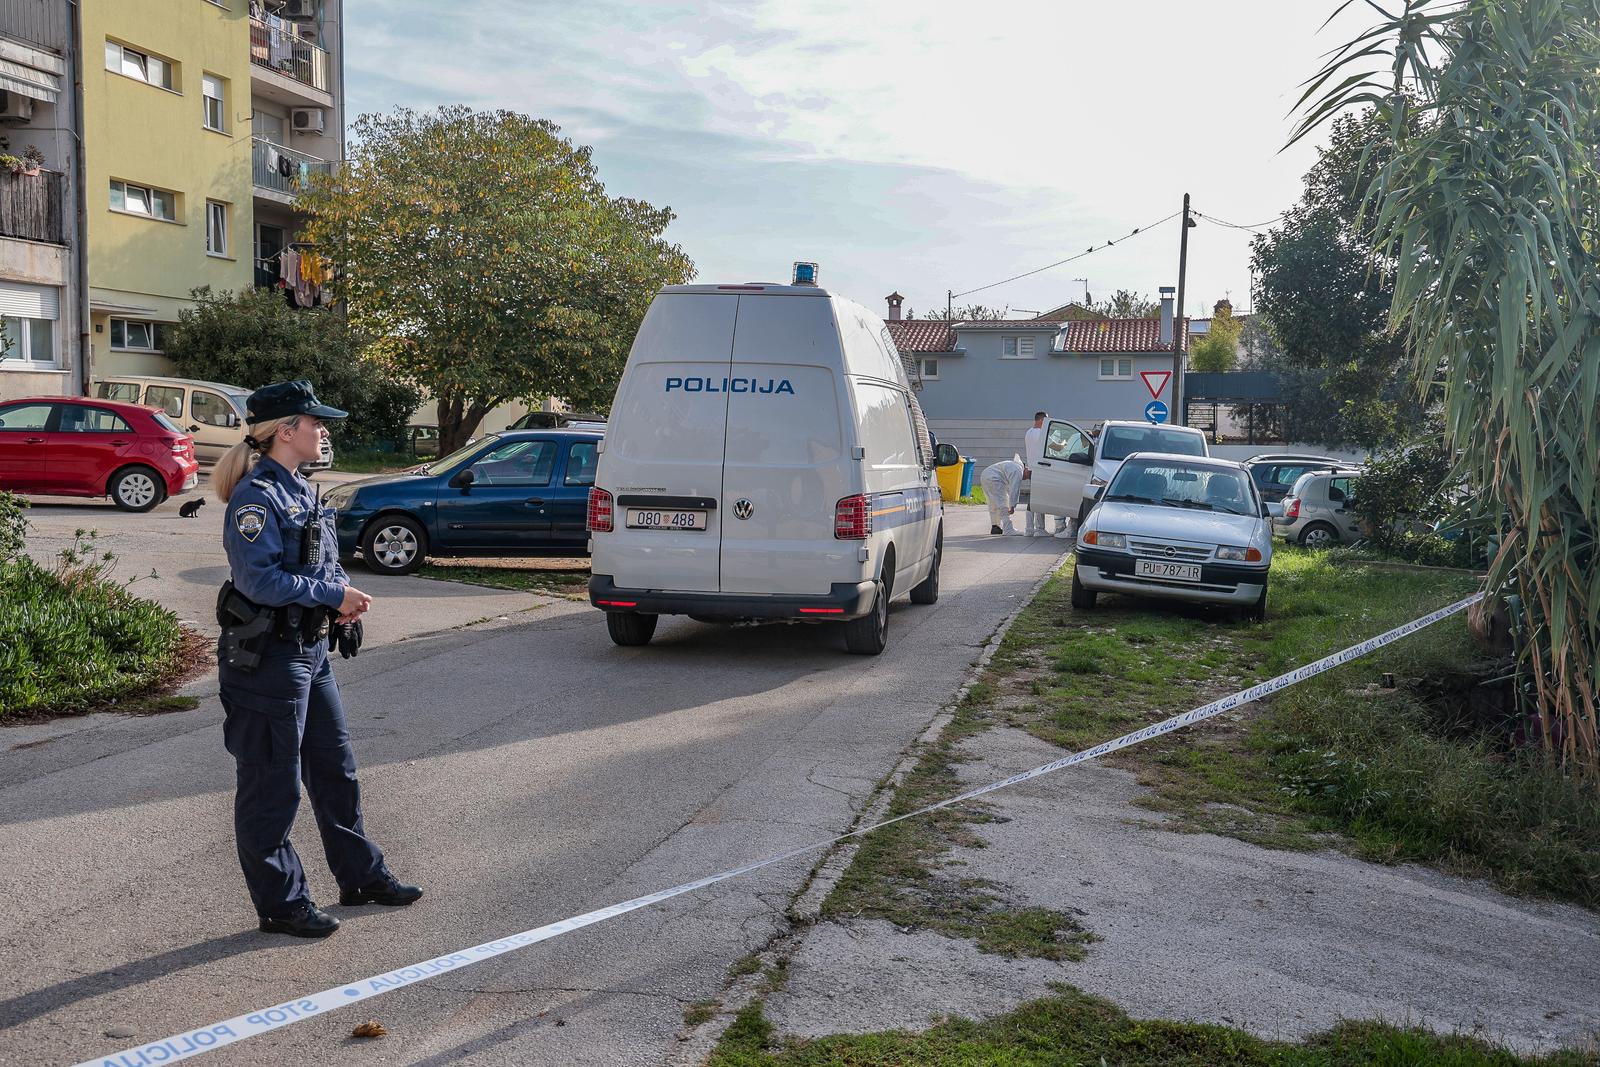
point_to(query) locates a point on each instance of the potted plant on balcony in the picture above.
(28, 163)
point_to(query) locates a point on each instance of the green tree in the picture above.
(1218, 348)
(253, 337)
(1326, 299)
(1488, 207)
(1127, 304)
(970, 313)
(481, 253)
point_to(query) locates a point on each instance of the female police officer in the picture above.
(284, 720)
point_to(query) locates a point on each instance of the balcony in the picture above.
(30, 206)
(279, 50)
(269, 161)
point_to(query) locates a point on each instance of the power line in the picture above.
(1060, 262)
(1253, 227)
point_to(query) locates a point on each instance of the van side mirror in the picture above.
(946, 456)
(1083, 459)
(463, 479)
(232, 421)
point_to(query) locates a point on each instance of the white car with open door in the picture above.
(765, 459)
(1077, 464)
(1179, 528)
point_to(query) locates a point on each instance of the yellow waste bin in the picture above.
(950, 482)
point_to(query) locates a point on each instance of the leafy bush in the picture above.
(1416, 509)
(70, 638)
(13, 527)
(253, 338)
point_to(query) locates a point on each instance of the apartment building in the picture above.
(41, 335)
(199, 127)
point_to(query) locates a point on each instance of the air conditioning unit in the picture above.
(15, 108)
(298, 9)
(308, 119)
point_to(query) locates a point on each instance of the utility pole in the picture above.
(1180, 416)
(949, 305)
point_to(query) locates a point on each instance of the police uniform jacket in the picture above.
(267, 520)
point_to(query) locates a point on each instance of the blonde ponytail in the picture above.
(236, 462)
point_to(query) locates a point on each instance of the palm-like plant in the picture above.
(1490, 209)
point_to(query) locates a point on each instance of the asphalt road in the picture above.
(522, 773)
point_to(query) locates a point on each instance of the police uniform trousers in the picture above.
(285, 724)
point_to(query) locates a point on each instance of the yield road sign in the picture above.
(1155, 411)
(1155, 381)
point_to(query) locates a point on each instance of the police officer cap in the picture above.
(283, 399)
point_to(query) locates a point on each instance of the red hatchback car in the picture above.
(78, 446)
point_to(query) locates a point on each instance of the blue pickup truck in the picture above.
(518, 493)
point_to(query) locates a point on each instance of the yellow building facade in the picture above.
(166, 167)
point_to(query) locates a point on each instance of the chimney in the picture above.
(895, 300)
(1166, 314)
(1222, 307)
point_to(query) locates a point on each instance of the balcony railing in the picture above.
(274, 46)
(30, 206)
(283, 170)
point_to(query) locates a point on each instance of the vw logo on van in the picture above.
(743, 508)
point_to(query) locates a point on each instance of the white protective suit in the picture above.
(1002, 486)
(1033, 449)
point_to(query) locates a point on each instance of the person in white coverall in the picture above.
(1033, 449)
(1002, 485)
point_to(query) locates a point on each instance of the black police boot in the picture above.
(386, 889)
(307, 920)
(995, 530)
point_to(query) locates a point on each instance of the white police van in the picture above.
(765, 459)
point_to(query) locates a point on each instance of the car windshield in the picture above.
(164, 422)
(1172, 484)
(1120, 442)
(439, 466)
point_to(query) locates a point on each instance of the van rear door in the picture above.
(786, 464)
(664, 454)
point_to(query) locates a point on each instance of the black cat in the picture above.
(188, 509)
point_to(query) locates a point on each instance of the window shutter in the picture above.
(1025, 346)
(29, 301)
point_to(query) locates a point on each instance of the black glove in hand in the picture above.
(347, 638)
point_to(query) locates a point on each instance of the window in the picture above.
(1114, 370)
(126, 391)
(1341, 490)
(1163, 482)
(25, 417)
(166, 397)
(516, 463)
(214, 104)
(1063, 440)
(141, 66)
(216, 228)
(76, 419)
(1016, 347)
(29, 330)
(137, 335)
(928, 370)
(582, 458)
(1120, 442)
(140, 200)
(210, 409)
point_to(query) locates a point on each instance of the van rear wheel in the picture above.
(869, 635)
(630, 628)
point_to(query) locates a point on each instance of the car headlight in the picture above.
(1105, 540)
(340, 498)
(1243, 555)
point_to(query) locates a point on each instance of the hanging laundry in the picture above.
(305, 293)
(314, 269)
(285, 166)
(288, 267)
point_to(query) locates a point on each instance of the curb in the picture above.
(697, 1043)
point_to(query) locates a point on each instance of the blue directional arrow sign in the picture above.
(1155, 411)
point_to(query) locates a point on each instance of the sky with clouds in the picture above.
(918, 148)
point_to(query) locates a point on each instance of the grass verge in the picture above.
(73, 641)
(365, 461)
(1072, 1028)
(556, 578)
(1399, 776)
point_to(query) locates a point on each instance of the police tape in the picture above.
(194, 1042)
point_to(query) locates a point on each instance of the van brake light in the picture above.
(600, 511)
(852, 518)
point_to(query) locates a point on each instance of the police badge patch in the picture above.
(249, 520)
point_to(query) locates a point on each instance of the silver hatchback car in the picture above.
(1319, 511)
